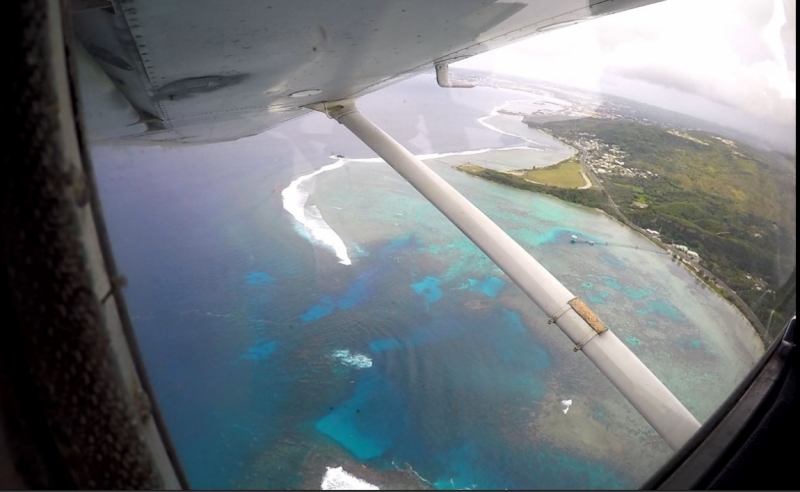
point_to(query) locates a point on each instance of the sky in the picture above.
(727, 61)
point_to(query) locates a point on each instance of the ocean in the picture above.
(303, 315)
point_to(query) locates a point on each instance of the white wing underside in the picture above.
(193, 71)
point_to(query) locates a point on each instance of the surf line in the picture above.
(308, 219)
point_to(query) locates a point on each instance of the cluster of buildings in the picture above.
(687, 137)
(759, 284)
(604, 159)
(680, 247)
(688, 252)
(731, 145)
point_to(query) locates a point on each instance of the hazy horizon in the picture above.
(730, 62)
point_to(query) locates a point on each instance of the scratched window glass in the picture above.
(379, 245)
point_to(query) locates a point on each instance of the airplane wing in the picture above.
(193, 71)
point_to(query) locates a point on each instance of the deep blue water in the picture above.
(238, 316)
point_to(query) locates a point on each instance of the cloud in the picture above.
(738, 53)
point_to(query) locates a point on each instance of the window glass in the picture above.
(308, 319)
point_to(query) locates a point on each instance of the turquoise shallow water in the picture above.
(657, 308)
(267, 353)
(628, 280)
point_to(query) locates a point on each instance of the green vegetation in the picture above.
(732, 204)
(776, 307)
(589, 197)
(565, 174)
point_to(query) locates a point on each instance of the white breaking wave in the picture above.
(441, 155)
(310, 221)
(409, 468)
(495, 112)
(309, 218)
(567, 404)
(348, 358)
(338, 479)
(483, 122)
(294, 201)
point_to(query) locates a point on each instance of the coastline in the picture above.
(755, 343)
(308, 220)
(710, 279)
(311, 224)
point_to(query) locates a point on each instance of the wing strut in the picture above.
(673, 422)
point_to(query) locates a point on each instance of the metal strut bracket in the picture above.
(443, 78)
(553, 319)
(579, 346)
(335, 110)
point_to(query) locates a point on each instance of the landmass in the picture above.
(591, 197)
(723, 208)
(565, 174)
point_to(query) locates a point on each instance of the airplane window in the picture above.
(309, 320)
